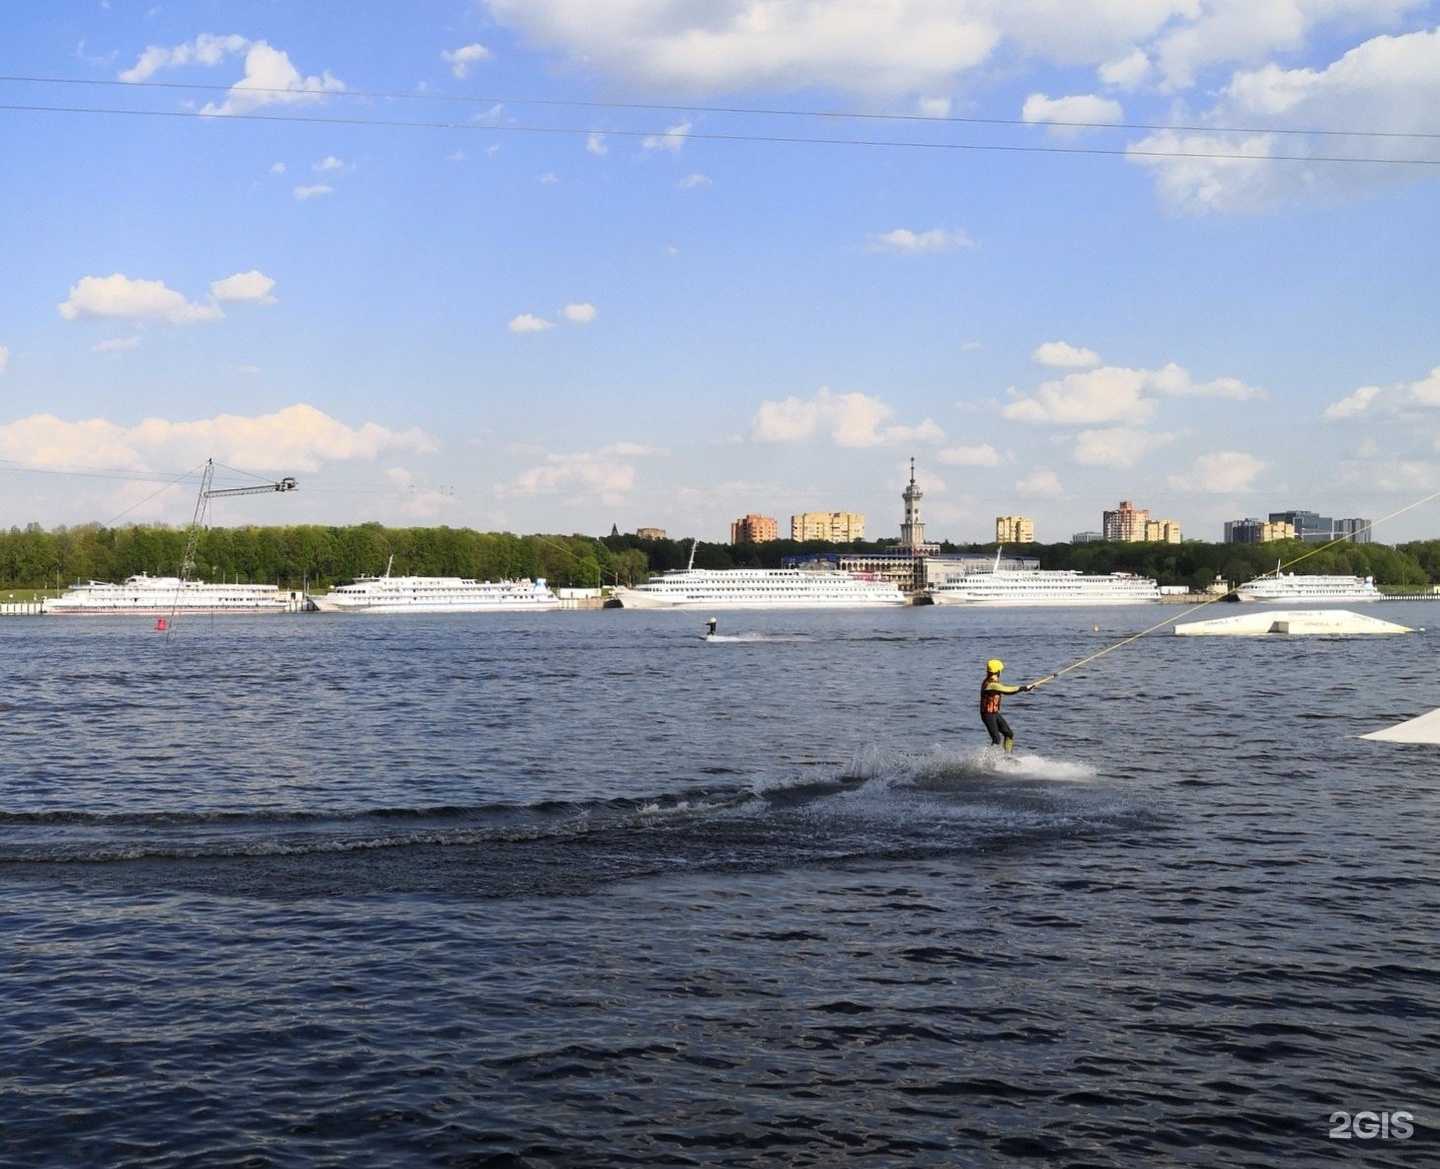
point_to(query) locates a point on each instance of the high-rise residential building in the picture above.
(1126, 522)
(754, 529)
(1357, 531)
(838, 527)
(1014, 529)
(1162, 531)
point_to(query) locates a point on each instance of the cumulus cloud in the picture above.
(980, 455)
(1389, 81)
(1113, 394)
(1220, 473)
(114, 346)
(850, 45)
(269, 77)
(1116, 446)
(847, 420)
(1041, 483)
(528, 323)
(117, 297)
(608, 473)
(912, 242)
(463, 59)
(250, 287)
(921, 53)
(1059, 353)
(673, 140)
(578, 314)
(296, 439)
(1071, 115)
(595, 143)
(318, 190)
(1424, 394)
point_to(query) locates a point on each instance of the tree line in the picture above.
(319, 556)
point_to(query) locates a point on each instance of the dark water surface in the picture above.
(581, 889)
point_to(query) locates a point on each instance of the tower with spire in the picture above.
(912, 531)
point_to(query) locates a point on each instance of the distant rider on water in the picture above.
(991, 691)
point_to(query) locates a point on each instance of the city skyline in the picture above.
(541, 268)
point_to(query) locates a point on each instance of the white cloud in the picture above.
(296, 439)
(1108, 394)
(848, 420)
(118, 345)
(319, 190)
(1128, 72)
(4, 357)
(595, 143)
(850, 45)
(608, 473)
(330, 163)
(690, 182)
(673, 140)
(578, 314)
(1220, 473)
(982, 455)
(1423, 393)
(250, 287)
(1116, 446)
(527, 323)
(1042, 483)
(1062, 354)
(1225, 32)
(461, 60)
(118, 297)
(935, 240)
(1112, 394)
(1071, 115)
(1388, 81)
(269, 77)
(279, 168)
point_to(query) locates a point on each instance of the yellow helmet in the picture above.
(994, 665)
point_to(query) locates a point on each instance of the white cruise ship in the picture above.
(1035, 586)
(1288, 588)
(161, 596)
(760, 588)
(435, 594)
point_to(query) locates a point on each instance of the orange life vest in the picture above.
(989, 699)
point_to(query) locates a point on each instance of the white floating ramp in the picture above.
(1312, 622)
(1424, 729)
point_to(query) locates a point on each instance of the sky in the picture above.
(560, 266)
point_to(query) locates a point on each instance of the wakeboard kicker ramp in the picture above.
(1295, 622)
(1423, 729)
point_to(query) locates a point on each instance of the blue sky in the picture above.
(553, 265)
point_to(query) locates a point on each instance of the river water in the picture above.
(583, 889)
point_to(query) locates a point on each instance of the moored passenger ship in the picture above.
(1315, 589)
(435, 594)
(1044, 587)
(760, 588)
(161, 596)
